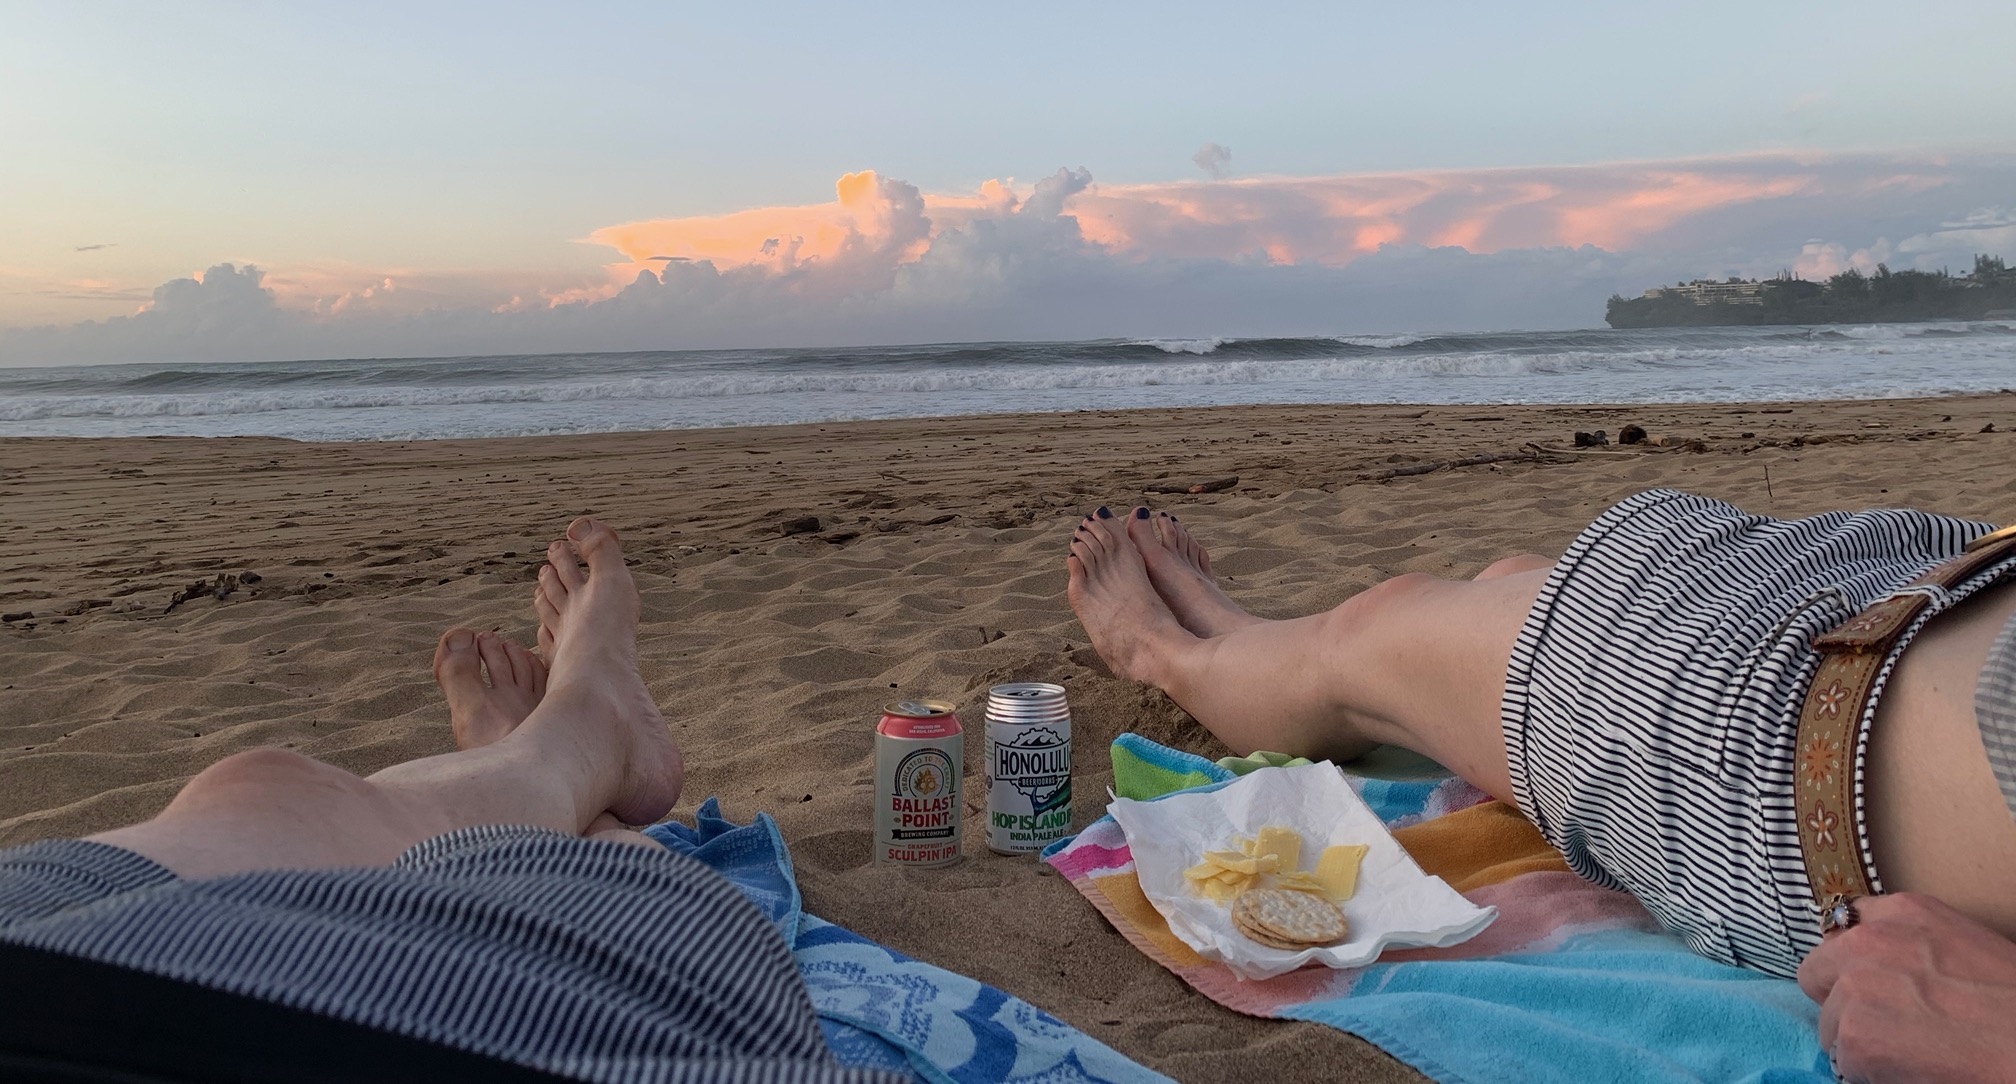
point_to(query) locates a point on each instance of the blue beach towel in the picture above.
(881, 1009)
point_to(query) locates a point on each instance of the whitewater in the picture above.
(421, 398)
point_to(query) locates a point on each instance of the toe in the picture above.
(528, 673)
(497, 660)
(1107, 531)
(595, 542)
(457, 665)
(1141, 529)
(565, 562)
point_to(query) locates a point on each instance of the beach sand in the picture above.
(937, 570)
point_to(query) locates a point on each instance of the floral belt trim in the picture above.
(1830, 724)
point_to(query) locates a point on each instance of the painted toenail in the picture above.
(1105, 512)
(461, 640)
(1140, 513)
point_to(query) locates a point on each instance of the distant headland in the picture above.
(1850, 297)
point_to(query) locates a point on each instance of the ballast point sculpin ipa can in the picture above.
(1028, 767)
(920, 751)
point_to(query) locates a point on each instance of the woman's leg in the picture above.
(1415, 661)
(1420, 663)
(595, 743)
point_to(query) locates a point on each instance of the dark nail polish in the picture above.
(1105, 512)
(1140, 513)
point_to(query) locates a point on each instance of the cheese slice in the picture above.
(1337, 870)
(1218, 891)
(1284, 843)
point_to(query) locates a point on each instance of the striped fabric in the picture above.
(1995, 711)
(594, 960)
(1653, 696)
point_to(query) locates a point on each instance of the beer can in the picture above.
(920, 752)
(1028, 767)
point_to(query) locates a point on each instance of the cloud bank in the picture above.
(1066, 257)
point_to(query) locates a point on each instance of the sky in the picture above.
(212, 181)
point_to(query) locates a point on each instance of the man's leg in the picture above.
(595, 743)
(1415, 661)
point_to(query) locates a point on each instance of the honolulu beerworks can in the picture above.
(920, 751)
(1028, 767)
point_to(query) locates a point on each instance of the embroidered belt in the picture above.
(1824, 770)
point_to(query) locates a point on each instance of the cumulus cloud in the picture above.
(1214, 160)
(1989, 230)
(1065, 257)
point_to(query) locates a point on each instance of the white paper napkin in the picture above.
(1396, 904)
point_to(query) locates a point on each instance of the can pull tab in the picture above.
(912, 707)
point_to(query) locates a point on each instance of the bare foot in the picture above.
(1129, 624)
(588, 632)
(1181, 572)
(481, 713)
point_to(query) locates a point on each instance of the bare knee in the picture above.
(1378, 612)
(1511, 566)
(1387, 595)
(267, 774)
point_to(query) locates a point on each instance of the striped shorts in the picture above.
(588, 959)
(1652, 703)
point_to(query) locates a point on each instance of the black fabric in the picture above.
(65, 1019)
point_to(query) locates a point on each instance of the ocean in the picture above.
(418, 398)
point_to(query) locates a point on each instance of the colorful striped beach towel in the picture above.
(1572, 983)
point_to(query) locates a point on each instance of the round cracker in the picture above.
(1271, 942)
(1284, 914)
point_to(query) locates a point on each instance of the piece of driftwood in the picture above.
(1433, 465)
(219, 589)
(1216, 485)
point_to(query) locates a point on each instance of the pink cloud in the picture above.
(875, 223)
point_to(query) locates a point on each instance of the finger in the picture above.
(1830, 1026)
(1901, 910)
(1822, 969)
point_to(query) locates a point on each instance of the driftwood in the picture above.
(1433, 465)
(219, 589)
(1216, 485)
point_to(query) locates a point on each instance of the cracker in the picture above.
(1268, 939)
(1296, 918)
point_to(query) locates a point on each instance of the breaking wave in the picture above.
(381, 399)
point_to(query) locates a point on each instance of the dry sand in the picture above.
(937, 570)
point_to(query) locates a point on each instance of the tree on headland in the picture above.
(1851, 297)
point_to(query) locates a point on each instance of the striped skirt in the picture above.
(593, 960)
(1652, 703)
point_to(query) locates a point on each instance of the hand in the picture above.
(1915, 991)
